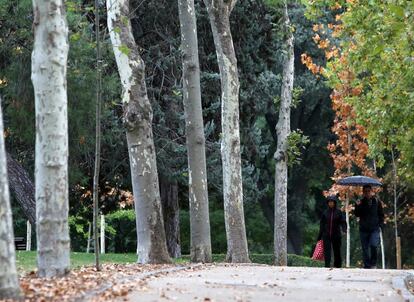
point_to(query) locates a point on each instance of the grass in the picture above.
(26, 261)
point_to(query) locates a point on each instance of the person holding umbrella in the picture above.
(371, 219)
(371, 216)
(332, 226)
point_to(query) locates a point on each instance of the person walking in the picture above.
(332, 226)
(371, 219)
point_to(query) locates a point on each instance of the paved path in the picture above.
(267, 283)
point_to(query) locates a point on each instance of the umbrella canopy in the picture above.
(359, 181)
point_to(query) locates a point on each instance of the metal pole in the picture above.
(382, 250)
(28, 236)
(88, 244)
(102, 234)
(397, 247)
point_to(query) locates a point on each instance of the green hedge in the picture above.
(121, 230)
(26, 261)
(293, 260)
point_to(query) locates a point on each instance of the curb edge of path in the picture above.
(398, 283)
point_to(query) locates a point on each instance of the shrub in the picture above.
(78, 230)
(293, 260)
(121, 228)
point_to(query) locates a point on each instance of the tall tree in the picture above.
(9, 285)
(22, 187)
(137, 115)
(350, 149)
(197, 171)
(49, 62)
(281, 158)
(219, 14)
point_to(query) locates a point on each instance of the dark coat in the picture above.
(371, 215)
(332, 223)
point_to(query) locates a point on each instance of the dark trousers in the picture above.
(334, 244)
(369, 242)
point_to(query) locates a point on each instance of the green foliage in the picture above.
(382, 63)
(259, 232)
(26, 261)
(296, 144)
(121, 227)
(255, 28)
(78, 231)
(124, 49)
(19, 221)
(120, 231)
(295, 260)
(296, 96)
(218, 233)
(376, 40)
(310, 235)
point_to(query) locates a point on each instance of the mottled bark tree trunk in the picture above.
(281, 158)
(49, 60)
(197, 171)
(294, 232)
(9, 285)
(22, 187)
(151, 245)
(171, 212)
(219, 14)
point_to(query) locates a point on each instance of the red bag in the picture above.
(318, 252)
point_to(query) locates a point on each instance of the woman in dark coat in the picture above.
(332, 226)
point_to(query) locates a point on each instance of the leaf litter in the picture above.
(86, 283)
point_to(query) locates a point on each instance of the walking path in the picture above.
(268, 283)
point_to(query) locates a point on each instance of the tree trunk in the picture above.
(97, 166)
(22, 187)
(171, 212)
(219, 14)
(151, 245)
(197, 171)
(49, 60)
(281, 158)
(9, 285)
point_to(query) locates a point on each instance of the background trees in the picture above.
(155, 24)
(258, 47)
(371, 68)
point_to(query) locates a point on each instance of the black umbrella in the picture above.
(359, 181)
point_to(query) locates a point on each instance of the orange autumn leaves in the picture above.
(350, 150)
